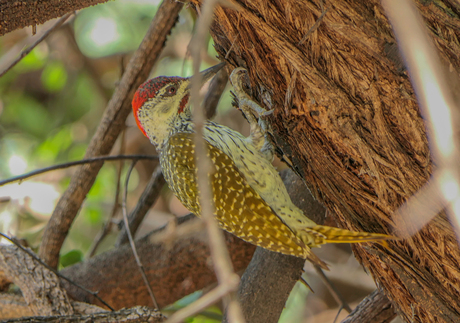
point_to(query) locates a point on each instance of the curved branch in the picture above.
(74, 163)
(110, 127)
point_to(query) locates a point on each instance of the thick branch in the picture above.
(13, 306)
(175, 269)
(15, 14)
(111, 125)
(39, 285)
(271, 276)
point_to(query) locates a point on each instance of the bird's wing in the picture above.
(259, 173)
(239, 208)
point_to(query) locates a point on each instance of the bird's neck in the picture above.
(181, 124)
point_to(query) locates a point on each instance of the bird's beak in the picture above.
(208, 74)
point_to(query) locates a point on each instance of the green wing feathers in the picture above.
(238, 208)
(241, 210)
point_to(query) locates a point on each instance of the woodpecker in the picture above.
(249, 196)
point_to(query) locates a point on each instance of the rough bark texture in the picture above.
(374, 308)
(15, 14)
(346, 116)
(41, 287)
(174, 270)
(13, 306)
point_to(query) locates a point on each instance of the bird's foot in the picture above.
(258, 127)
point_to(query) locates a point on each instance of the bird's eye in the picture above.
(171, 90)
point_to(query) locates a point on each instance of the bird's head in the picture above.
(161, 103)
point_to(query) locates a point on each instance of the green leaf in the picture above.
(71, 257)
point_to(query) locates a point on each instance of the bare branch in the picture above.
(13, 306)
(220, 256)
(131, 240)
(271, 276)
(148, 198)
(110, 127)
(20, 178)
(178, 267)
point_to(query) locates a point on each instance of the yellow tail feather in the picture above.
(336, 235)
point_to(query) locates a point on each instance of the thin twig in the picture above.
(26, 51)
(219, 253)
(231, 47)
(439, 104)
(30, 253)
(131, 240)
(222, 264)
(74, 163)
(335, 293)
(314, 27)
(109, 223)
(147, 199)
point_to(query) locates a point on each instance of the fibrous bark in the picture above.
(346, 116)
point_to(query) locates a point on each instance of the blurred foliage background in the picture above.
(51, 104)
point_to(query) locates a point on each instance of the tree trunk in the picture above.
(347, 118)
